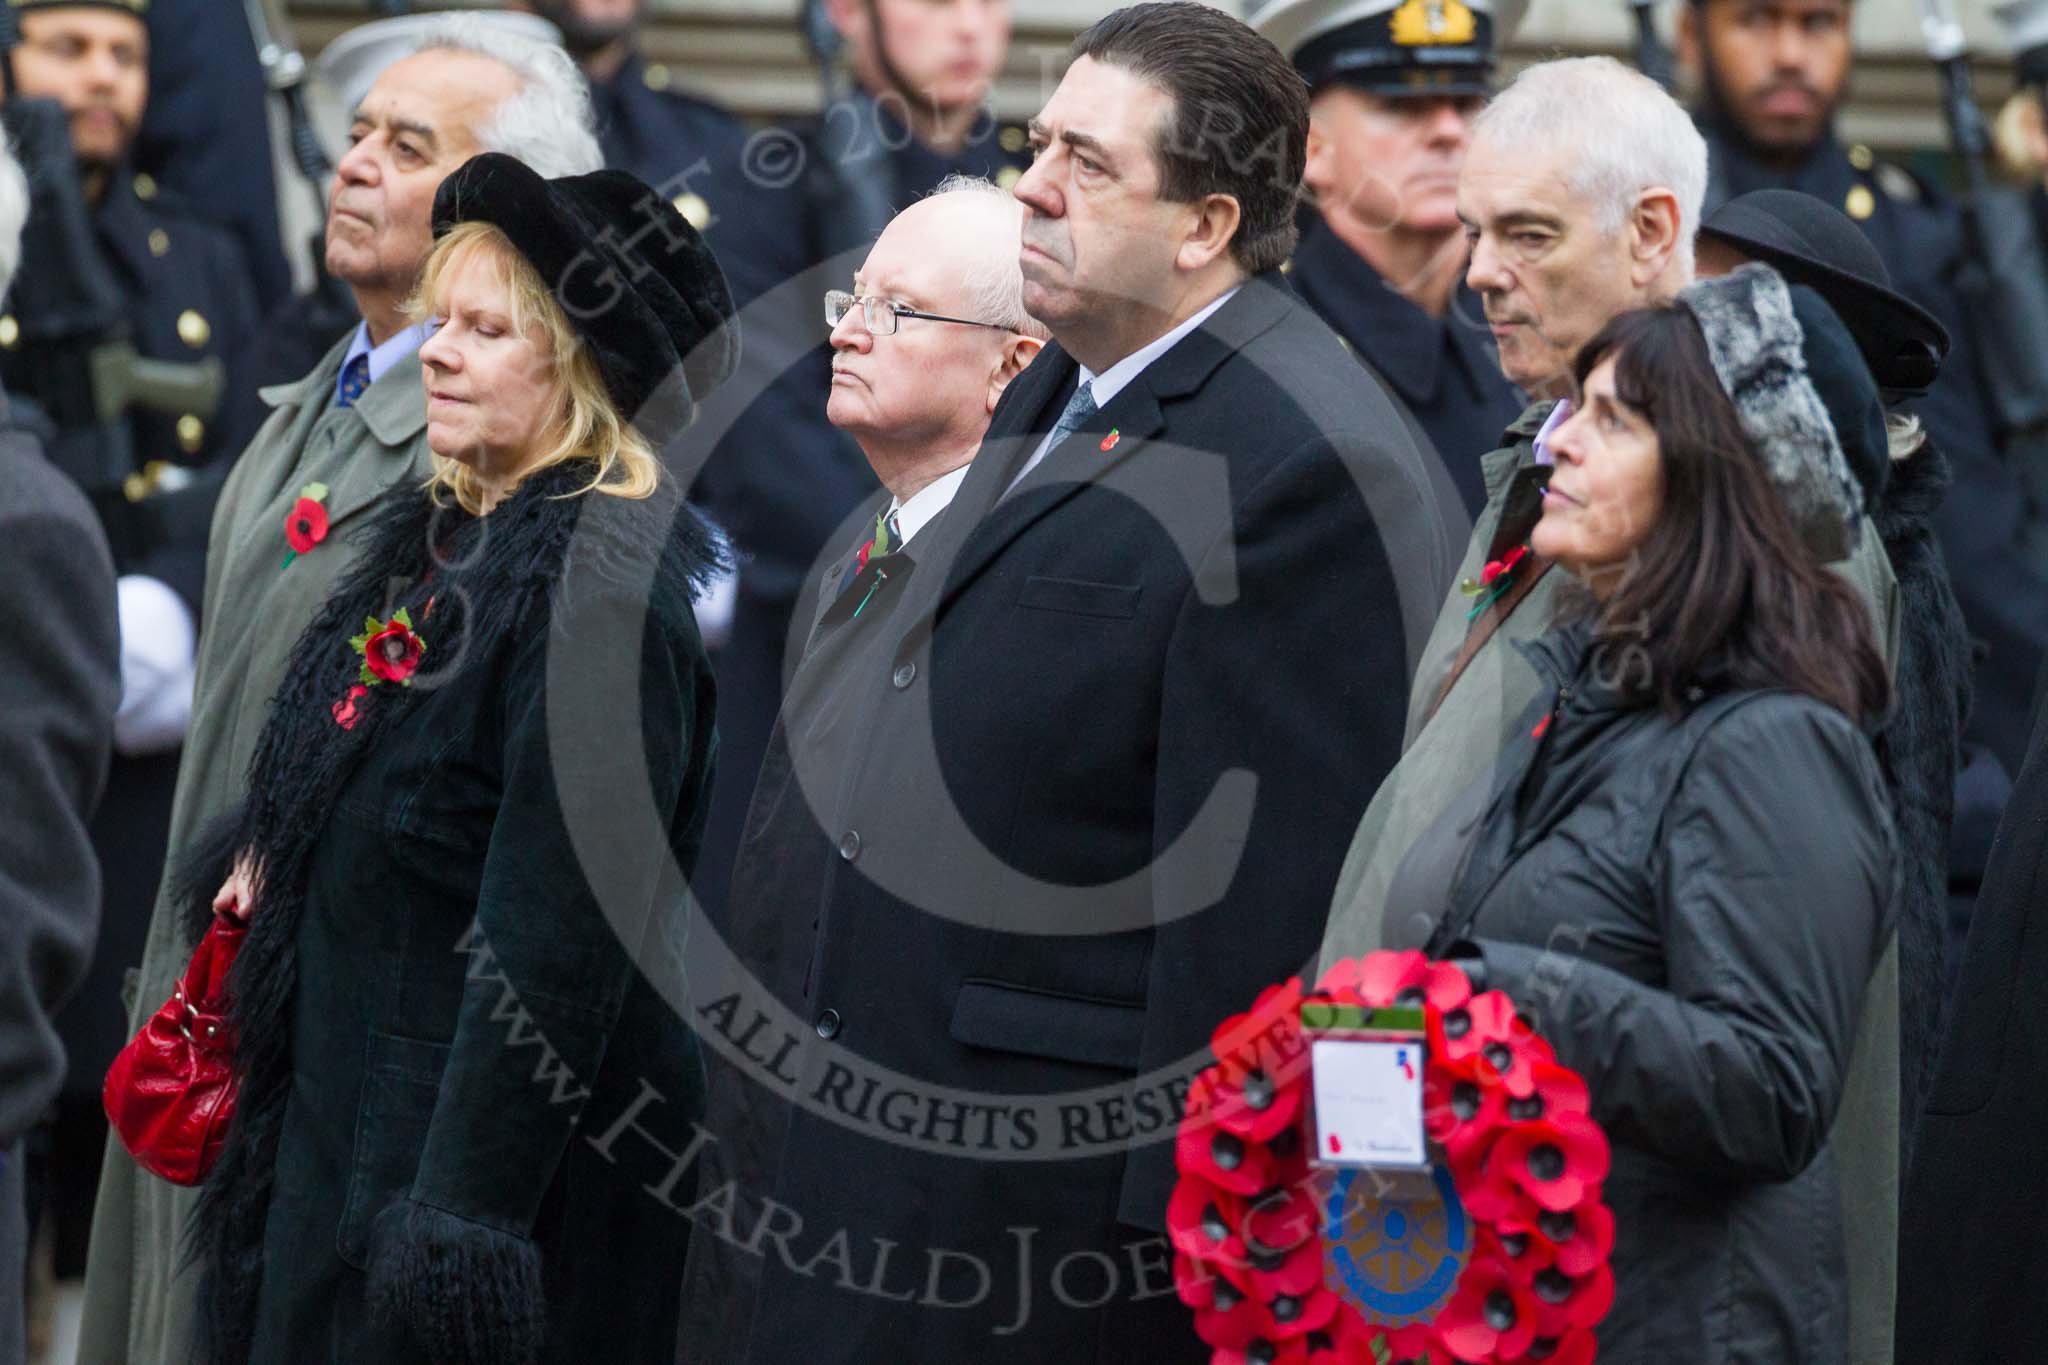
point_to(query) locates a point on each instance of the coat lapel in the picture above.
(1138, 415)
(394, 410)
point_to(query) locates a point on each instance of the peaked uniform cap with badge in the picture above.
(1392, 47)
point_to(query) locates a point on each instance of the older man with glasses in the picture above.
(924, 344)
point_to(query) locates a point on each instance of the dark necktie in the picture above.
(1079, 409)
(355, 377)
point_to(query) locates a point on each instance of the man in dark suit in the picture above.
(60, 656)
(1103, 771)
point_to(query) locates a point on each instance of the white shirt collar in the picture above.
(1105, 386)
(1559, 415)
(927, 502)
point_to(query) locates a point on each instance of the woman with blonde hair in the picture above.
(469, 819)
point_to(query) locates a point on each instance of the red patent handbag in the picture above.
(171, 1092)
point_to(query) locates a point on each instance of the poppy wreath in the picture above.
(1509, 1129)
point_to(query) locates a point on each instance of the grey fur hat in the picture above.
(1758, 349)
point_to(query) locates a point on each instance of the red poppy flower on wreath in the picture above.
(1226, 1159)
(1575, 1347)
(1463, 1104)
(391, 650)
(1403, 979)
(1490, 1317)
(1488, 1028)
(1270, 1251)
(306, 524)
(1578, 1238)
(1554, 1160)
(1259, 1053)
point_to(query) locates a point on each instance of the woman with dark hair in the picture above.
(1684, 870)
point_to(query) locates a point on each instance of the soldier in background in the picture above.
(1772, 74)
(823, 190)
(687, 147)
(1395, 84)
(206, 134)
(191, 297)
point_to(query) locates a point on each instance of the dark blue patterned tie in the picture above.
(355, 377)
(1080, 408)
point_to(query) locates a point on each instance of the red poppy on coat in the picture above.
(1462, 1104)
(1504, 565)
(1490, 1313)
(1203, 1222)
(1579, 1238)
(1575, 1347)
(393, 653)
(1557, 1161)
(305, 525)
(345, 714)
(1567, 1301)
(1206, 1147)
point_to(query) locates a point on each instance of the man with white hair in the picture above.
(61, 656)
(289, 521)
(1581, 198)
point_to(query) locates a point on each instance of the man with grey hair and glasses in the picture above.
(290, 520)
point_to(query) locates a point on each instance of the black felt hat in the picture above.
(636, 280)
(1841, 376)
(1810, 243)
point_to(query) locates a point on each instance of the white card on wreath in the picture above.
(1368, 1102)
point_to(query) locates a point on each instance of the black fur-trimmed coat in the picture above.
(1920, 745)
(458, 1011)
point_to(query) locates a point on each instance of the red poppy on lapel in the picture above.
(306, 524)
(391, 650)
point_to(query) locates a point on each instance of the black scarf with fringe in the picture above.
(460, 578)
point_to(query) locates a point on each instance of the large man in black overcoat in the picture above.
(1147, 674)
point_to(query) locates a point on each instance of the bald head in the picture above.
(918, 399)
